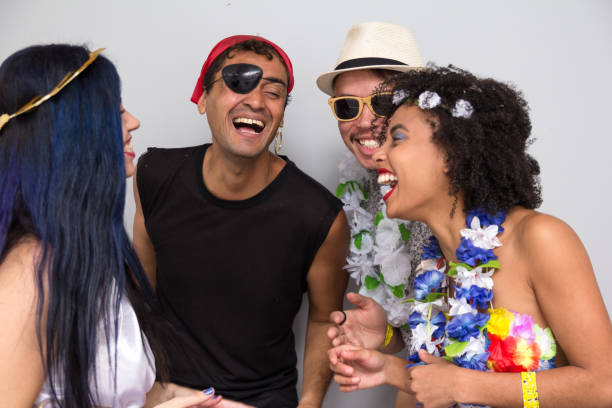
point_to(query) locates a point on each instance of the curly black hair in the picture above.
(486, 153)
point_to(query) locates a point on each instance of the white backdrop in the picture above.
(558, 53)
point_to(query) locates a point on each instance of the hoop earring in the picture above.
(278, 140)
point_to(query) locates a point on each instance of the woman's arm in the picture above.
(21, 371)
(570, 300)
(356, 368)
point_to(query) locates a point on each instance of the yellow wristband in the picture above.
(388, 335)
(530, 390)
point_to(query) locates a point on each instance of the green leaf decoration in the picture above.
(398, 291)
(365, 193)
(340, 190)
(379, 216)
(411, 300)
(455, 348)
(453, 268)
(405, 233)
(405, 326)
(358, 239)
(371, 283)
(433, 296)
(491, 264)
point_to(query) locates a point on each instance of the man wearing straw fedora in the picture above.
(384, 252)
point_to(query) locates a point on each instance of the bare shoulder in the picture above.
(536, 231)
(550, 247)
(20, 261)
(18, 287)
(340, 228)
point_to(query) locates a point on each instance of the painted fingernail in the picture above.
(209, 391)
(216, 396)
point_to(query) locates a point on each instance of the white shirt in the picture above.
(135, 366)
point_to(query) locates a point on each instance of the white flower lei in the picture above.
(378, 260)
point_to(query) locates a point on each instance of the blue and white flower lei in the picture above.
(379, 260)
(454, 325)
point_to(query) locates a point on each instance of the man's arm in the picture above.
(142, 242)
(326, 285)
(364, 326)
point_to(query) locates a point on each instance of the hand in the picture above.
(365, 326)
(356, 368)
(223, 403)
(192, 400)
(432, 382)
(176, 396)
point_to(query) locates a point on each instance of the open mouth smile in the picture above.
(248, 125)
(368, 143)
(387, 178)
(128, 148)
(367, 146)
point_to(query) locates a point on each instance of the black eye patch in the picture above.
(241, 78)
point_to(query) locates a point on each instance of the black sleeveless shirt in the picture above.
(231, 274)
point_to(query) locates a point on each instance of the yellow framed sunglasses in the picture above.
(347, 108)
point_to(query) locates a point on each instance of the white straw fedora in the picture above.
(374, 45)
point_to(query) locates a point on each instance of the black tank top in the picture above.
(231, 274)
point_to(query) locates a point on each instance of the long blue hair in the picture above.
(62, 182)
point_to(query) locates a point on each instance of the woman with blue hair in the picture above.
(76, 308)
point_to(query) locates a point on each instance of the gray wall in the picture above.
(557, 52)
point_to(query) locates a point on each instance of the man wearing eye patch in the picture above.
(383, 252)
(233, 235)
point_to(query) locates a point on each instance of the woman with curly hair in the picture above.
(503, 291)
(76, 308)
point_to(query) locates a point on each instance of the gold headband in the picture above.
(37, 101)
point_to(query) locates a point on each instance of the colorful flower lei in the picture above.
(499, 340)
(378, 260)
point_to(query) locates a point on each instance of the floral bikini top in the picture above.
(454, 326)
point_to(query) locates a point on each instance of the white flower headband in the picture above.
(429, 100)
